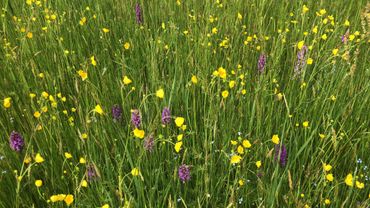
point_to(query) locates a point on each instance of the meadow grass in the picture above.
(274, 97)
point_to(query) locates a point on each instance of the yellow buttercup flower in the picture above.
(240, 17)
(84, 136)
(126, 45)
(37, 114)
(178, 146)
(93, 61)
(324, 37)
(258, 164)
(275, 139)
(67, 155)
(135, 172)
(222, 73)
(39, 158)
(139, 133)
(327, 167)
(82, 74)
(309, 61)
(105, 30)
(305, 9)
(305, 124)
(82, 160)
(68, 199)
(225, 94)
(194, 79)
(7, 102)
(349, 180)
(160, 93)
(38, 183)
(235, 159)
(179, 121)
(240, 149)
(126, 80)
(232, 84)
(98, 109)
(84, 183)
(246, 143)
(300, 44)
(105, 206)
(360, 185)
(330, 177)
(335, 51)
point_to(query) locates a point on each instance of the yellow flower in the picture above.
(235, 159)
(194, 79)
(246, 143)
(314, 30)
(360, 185)
(275, 139)
(82, 21)
(232, 84)
(67, 155)
(68, 199)
(309, 61)
(82, 74)
(93, 61)
(240, 149)
(84, 136)
(37, 114)
(305, 124)
(233, 142)
(300, 44)
(351, 37)
(135, 171)
(126, 80)
(178, 146)
(258, 164)
(335, 51)
(139, 133)
(324, 37)
(29, 35)
(84, 183)
(214, 30)
(327, 167)
(241, 182)
(105, 30)
(98, 109)
(305, 9)
(349, 180)
(222, 72)
(126, 45)
(346, 23)
(7, 102)
(327, 201)
(38, 183)
(240, 17)
(225, 94)
(179, 137)
(179, 121)
(333, 97)
(39, 158)
(160, 93)
(105, 206)
(27, 160)
(322, 136)
(54, 198)
(82, 160)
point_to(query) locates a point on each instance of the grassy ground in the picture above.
(62, 70)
